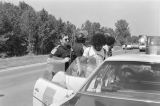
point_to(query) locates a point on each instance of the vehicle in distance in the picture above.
(153, 45)
(142, 42)
(135, 46)
(122, 80)
(127, 46)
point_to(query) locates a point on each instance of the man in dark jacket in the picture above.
(79, 44)
(61, 53)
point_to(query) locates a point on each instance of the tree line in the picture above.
(26, 31)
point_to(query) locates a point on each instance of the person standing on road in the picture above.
(61, 51)
(79, 45)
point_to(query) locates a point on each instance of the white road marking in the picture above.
(19, 67)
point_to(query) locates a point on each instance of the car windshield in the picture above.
(128, 75)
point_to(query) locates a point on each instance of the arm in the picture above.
(55, 56)
(55, 59)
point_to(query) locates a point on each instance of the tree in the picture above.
(134, 39)
(70, 29)
(122, 31)
(108, 30)
(95, 27)
(23, 6)
(28, 26)
(11, 39)
(91, 28)
(88, 27)
(42, 31)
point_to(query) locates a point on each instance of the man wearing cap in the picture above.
(79, 45)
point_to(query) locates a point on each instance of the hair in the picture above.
(98, 39)
(80, 37)
(110, 40)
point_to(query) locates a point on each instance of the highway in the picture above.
(16, 84)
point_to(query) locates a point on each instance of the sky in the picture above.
(143, 16)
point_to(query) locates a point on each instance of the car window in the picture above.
(105, 73)
(126, 76)
(82, 67)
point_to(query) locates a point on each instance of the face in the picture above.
(64, 40)
(98, 48)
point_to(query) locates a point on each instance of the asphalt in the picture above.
(19, 67)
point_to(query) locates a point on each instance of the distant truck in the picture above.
(142, 42)
(153, 45)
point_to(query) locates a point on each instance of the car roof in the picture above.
(135, 57)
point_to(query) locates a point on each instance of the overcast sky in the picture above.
(143, 16)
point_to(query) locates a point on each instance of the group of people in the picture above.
(100, 49)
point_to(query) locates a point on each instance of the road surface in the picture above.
(16, 85)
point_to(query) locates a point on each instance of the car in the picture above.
(127, 46)
(153, 45)
(122, 80)
(142, 48)
(135, 46)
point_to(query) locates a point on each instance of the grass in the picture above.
(20, 61)
(27, 60)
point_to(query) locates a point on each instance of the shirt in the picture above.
(62, 52)
(99, 55)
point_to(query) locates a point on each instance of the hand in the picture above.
(66, 59)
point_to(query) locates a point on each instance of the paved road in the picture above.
(16, 84)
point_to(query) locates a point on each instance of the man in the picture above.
(79, 44)
(60, 54)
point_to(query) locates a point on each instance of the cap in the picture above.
(107, 34)
(82, 34)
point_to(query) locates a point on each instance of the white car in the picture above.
(127, 47)
(122, 80)
(63, 83)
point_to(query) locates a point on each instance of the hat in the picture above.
(83, 34)
(107, 34)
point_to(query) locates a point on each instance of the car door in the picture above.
(49, 91)
(46, 93)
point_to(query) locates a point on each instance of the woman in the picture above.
(96, 50)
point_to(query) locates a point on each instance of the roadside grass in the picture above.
(27, 60)
(20, 61)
